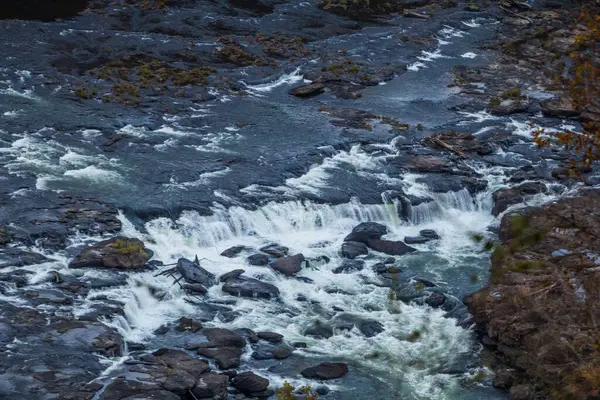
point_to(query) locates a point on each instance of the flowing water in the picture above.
(299, 182)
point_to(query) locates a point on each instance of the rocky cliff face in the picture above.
(542, 307)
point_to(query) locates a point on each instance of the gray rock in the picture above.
(281, 352)
(258, 260)
(326, 371)
(182, 361)
(225, 357)
(288, 265)
(353, 249)
(275, 250)
(249, 287)
(349, 266)
(311, 89)
(367, 327)
(395, 248)
(429, 234)
(249, 382)
(121, 388)
(211, 386)
(319, 330)
(270, 337)
(503, 379)
(219, 337)
(192, 272)
(233, 251)
(231, 275)
(416, 239)
(436, 300)
(366, 231)
(521, 392)
(179, 382)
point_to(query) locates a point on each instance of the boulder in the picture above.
(366, 231)
(231, 275)
(319, 330)
(270, 337)
(394, 248)
(326, 371)
(219, 337)
(436, 300)
(225, 357)
(288, 265)
(504, 198)
(561, 107)
(368, 327)
(249, 382)
(503, 379)
(243, 286)
(429, 234)
(349, 266)
(118, 252)
(211, 385)
(281, 352)
(275, 250)
(309, 90)
(195, 289)
(193, 273)
(353, 249)
(258, 260)
(415, 239)
(179, 382)
(233, 251)
(188, 324)
(181, 361)
(521, 392)
(121, 388)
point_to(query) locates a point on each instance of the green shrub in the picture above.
(129, 247)
(494, 102)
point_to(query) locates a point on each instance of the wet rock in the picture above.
(122, 388)
(281, 352)
(193, 273)
(195, 289)
(249, 382)
(14, 257)
(119, 252)
(510, 106)
(211, 386)
(188, 324)
(309, 90)
(4, 236)
(366, 231)
(436, 300)
(396, 248)
(367, 327)
(182, 361)
(258, 260)
(219, 337)
(415, 240)
(521, 392)
(429, 233)
(47, 296)
(504, 198)
(326, 371)
(560, 107)
(225, 357)
(42, 10)
(231, 275)
(270, 337)
(300, 345)
(462, 143)
(275, 250)
(234, 251)
(135, 346)
(503, 379)
(353, 249)
(262, 355)
(322, 390)
(414, 14)
(179, 382)
(288, 265)
(319, 330)
(349, 266)
(249, 287)
(161, 330)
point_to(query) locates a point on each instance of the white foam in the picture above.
(203, 179)
(285, 79)
(472, 23)
(94, 174)
(469, 55)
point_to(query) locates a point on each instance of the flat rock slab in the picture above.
(326, 371)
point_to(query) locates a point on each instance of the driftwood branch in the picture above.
(517, 15)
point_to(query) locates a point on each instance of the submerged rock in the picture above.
(270, 337)
(119, 252)
(326, 371)
(243, 286)
(349, 266)
(275, 250)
